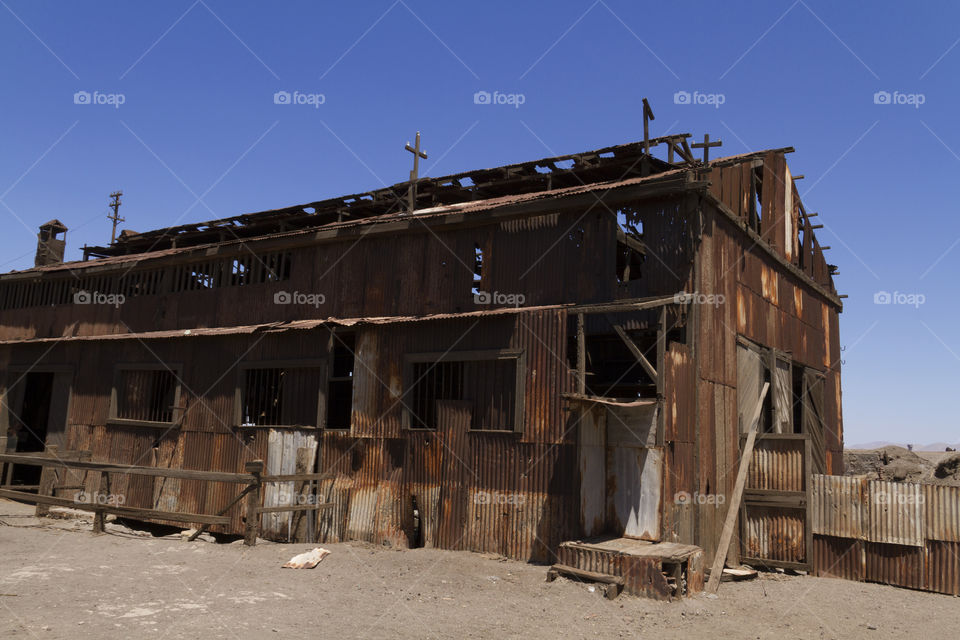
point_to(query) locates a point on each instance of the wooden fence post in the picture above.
(252, 527)
(3, 465)
(48, 478)
(99, 515)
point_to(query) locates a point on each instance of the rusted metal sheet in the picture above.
(896, 514)
(839, 506)
(591, 452)
(774, 534)
(855, 512)
(777, 464)
(943, 567)
(942, 512)
(898, 565)
(634, 490)
(838, 558)
(645, 568)
(517, 494)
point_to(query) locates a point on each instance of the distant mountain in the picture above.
(879, 444)
(936, 446)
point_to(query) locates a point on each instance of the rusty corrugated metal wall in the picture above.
(765, 299)
(379, 467)
(775, 523)
(896, 533)
(507, 493)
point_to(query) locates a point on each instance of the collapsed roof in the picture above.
(609, 164)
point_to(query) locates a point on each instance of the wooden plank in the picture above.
(742, 467)
(237, 499)
(184, 474)
(252, 518)
(635, 350)
(129, 512)
(627, 305)
(299, 507)
(808, 512)
(615, 582)
(48, 478)
(782, 564)
(581, 355)
(296, 477)
(99, 520)
(796, 501)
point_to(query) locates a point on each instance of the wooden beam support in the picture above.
(639, 304)
(252, 516)
(614, 583)
(581, 354)
(246, 490)
(635, 350)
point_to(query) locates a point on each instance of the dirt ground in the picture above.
(58, 580)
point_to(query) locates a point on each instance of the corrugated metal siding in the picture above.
(943, 567)
(856, 513)
(839, 506)
(777, 465)
(942, 505)
(774, 534)
(898, 565)
(837, 558)
(642, 576)
(896, 513)
(506, 493)
(373, 487)
(436, 276)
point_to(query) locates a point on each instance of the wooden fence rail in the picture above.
(252, 481)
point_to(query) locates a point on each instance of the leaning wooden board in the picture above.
(717, 570)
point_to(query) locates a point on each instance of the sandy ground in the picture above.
(58, 580)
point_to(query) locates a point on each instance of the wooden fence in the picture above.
(102, 501)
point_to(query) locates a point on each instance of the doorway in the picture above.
(621, 470)
(37, 405)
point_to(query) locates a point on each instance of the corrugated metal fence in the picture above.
(897, 533)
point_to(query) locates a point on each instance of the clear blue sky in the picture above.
(198, 135)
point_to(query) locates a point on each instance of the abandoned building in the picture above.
(529, 356)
